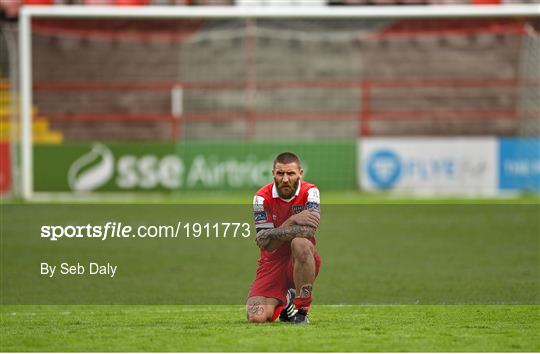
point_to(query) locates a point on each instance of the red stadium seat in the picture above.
(97, 2)
(117, 2)
(38, 2)
(485, 2)
(131, 2)
(10, 8)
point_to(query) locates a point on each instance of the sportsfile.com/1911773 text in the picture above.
(118, 230)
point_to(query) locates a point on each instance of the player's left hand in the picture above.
(309, 217)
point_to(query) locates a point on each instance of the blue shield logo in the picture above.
(384, 168)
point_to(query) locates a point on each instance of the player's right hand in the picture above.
(262, 239)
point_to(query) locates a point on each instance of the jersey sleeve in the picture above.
(313, 199)
(261, 214)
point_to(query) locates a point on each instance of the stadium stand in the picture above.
(9, 107)
(319, 79)
(42, 133)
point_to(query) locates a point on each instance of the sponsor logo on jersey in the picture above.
(297, 208)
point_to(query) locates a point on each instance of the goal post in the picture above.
(30, 13)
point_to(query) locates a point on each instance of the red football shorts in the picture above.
(274, 277)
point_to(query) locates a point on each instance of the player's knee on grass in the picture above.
(302, 249)
(259, 312)
(257, 319)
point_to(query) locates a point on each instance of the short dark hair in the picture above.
(286, 158)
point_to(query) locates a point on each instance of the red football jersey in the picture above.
(270, 210)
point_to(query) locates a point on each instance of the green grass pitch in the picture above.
(439, 288)
(221, 328)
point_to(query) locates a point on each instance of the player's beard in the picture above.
(290, 191)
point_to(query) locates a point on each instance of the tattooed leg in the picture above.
(260, 309)
(303, 266)
(306, 290)
(255, 310)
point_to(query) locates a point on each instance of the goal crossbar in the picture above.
(413, 11)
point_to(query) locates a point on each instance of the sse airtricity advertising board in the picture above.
(429, 165)
(165, 167)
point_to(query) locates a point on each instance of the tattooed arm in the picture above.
(266, 237)
(299, 225)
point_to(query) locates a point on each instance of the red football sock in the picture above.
(277, 311)
(302, 302)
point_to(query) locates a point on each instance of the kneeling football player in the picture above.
(287, 214)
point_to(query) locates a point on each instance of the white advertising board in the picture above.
(427, 166)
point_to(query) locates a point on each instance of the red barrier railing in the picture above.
(370, 114)
(367, 95)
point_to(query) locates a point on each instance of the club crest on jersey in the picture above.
(297, 208)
